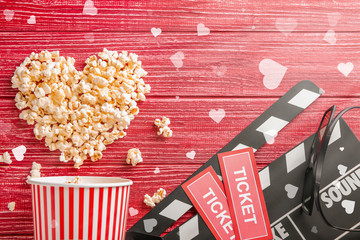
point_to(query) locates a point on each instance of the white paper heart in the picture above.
(330, 37)
(342, 169)
(291, 190)
(149, 224)
(19, 152)
(157, 170)
(345, 68)
(341, 148)
(273, 73)
(9, 14)
(89, 37)
(89, 8)
(217, 115)
(349, 206)
(31, 20)
(337, 184)
(133, 211)
(314, 230)
(220, 71)
(270, 136)
(177, 59)
(333, 18)
(202, 30)
(286, 25)
(191, 154)
(156, 31)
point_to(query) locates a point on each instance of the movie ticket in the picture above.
(244, 194)
(206, 192)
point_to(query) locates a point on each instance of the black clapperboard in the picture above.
(281, 181)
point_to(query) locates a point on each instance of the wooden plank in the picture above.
(182, 15)
(193, 130)
(221, 64)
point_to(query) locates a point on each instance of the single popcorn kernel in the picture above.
(155, 199)
(5, 158)
(76, 180)
(79, 112)
(11, 206)
(134, 156)
(35, 171)
(163, 126)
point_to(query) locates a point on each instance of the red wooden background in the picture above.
(220, 71)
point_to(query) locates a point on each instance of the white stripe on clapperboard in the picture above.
(299, 206)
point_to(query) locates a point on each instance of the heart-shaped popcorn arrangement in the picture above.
(79, 112)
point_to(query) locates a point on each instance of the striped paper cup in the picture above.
(94, 208)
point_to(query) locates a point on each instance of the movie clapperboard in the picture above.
(283, 211)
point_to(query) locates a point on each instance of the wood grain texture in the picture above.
(220, 71)
(179, 16)
(215, 65)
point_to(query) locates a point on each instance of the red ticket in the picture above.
(206, 192)
(244, 194)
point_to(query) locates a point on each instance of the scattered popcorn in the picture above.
(156, 198)
(11, 206)
(6, 158)
(35, 171)
(76, 180)
(163, 126)
(79, 112)
(134, 156)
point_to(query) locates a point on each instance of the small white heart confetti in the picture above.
(89, 8)
(330, 37)
(133, 211)
(157, 170)
(217, 115)
(191, 154)
(149, 224)
(177, 58)
(342, 169)
(286, 25)
(333, 18)
(202, 30)
(349, 206)
(273, 73)
(156, 31)
(31, 20)
(220, 71)
(291, 190)
(341, 148)
(345, 68)
(89, 37)
(9, 14)
(337, 184)
(19, 152)
(270, 136)
(314, 230)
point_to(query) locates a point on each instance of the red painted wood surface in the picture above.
(220, 71)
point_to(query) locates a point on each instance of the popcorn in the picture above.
(79, 112)
(11, 206)
(76, 180)
(155, 199)
(35, 171)
(134, 156)
(5, 158)
(163, 126)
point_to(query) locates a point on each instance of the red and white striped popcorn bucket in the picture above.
(93, 208)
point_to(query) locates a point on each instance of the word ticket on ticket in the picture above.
(244, 195)
(206, 192)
